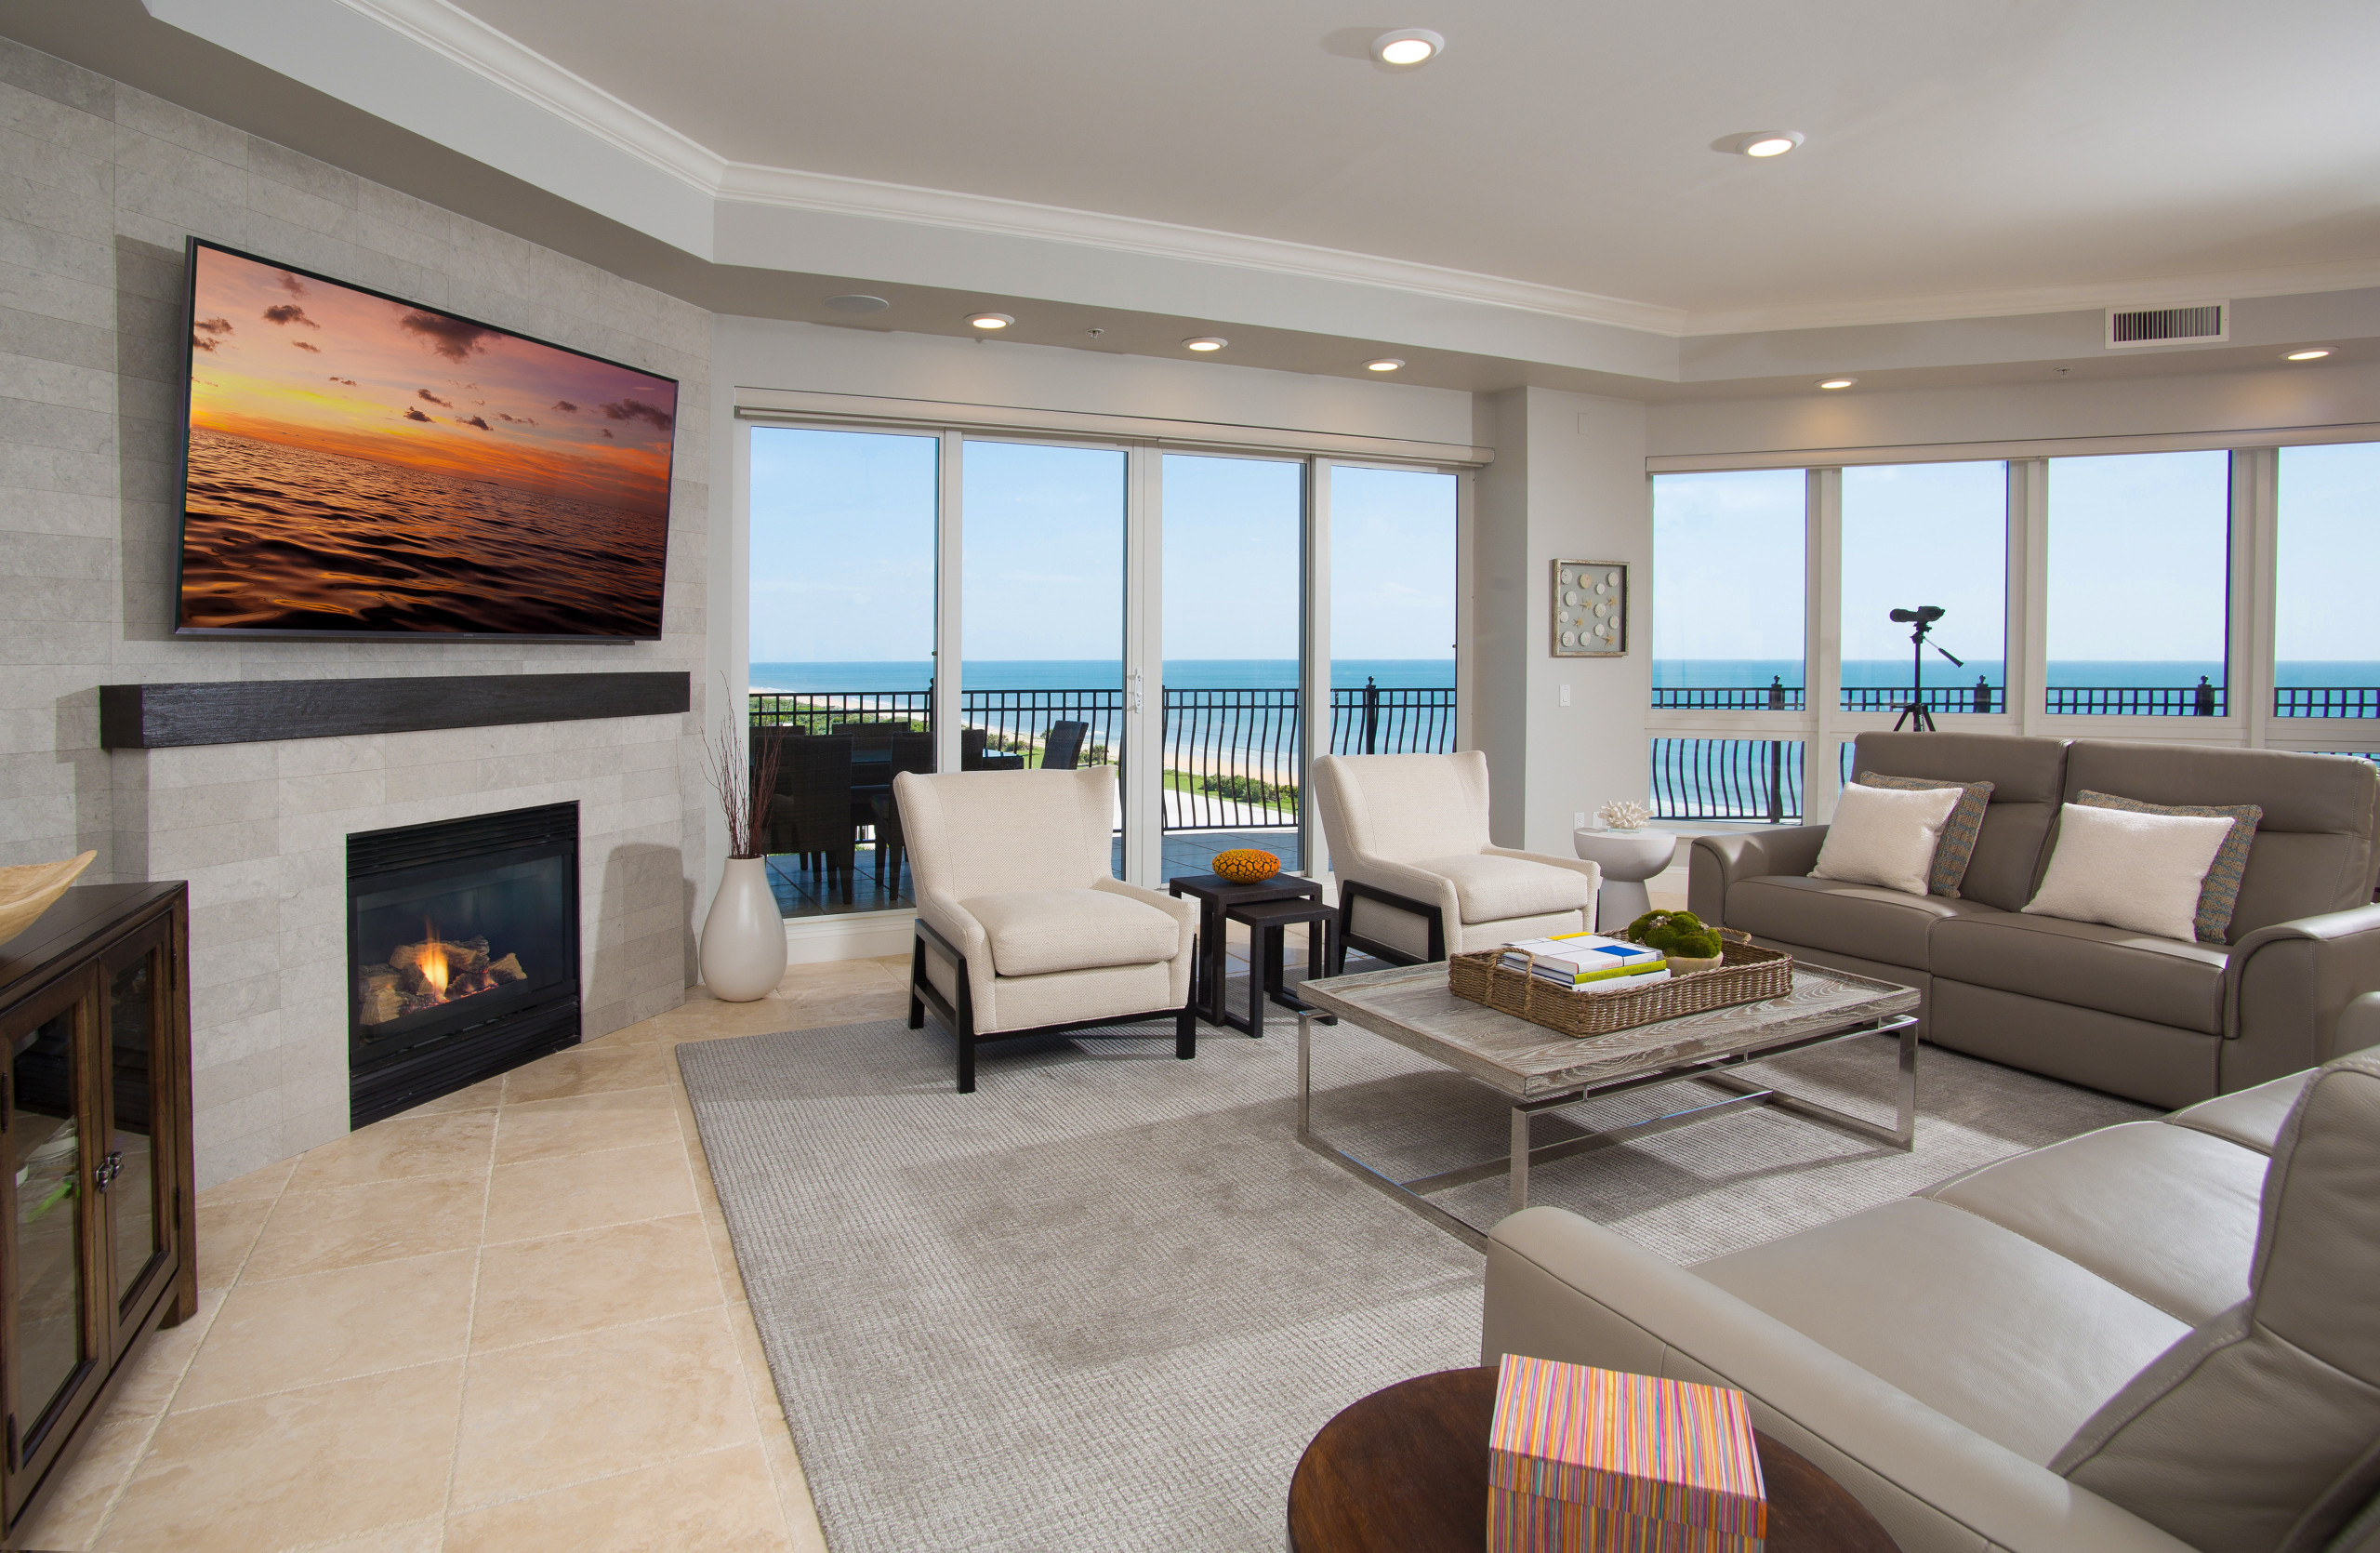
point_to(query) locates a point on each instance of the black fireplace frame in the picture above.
(474, 1044)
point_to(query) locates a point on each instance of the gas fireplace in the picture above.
(462, 951)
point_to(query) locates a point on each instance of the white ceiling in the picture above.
(1986, 156)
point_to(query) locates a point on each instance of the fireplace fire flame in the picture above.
(434, 970)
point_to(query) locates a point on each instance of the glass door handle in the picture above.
(103, 1175)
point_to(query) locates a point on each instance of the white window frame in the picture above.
(2251, 599)
(1144, 441)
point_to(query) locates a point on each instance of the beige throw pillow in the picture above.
(2130, 869)
(1886, 836)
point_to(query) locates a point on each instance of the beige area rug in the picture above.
(1103, 1303)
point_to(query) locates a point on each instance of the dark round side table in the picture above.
(1405, 1469)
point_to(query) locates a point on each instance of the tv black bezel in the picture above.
(181, 466)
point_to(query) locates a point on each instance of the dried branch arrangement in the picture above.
(744, 785)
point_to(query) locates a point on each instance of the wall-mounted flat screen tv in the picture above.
(361, 466)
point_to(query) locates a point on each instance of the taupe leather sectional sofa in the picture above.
(2159, 1336)
(2153, 1019)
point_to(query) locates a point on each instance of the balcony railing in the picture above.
(2202, 699)
(1777, 696)
(2136, 700)
(1232, 756)
(1939, 697)
(1727, 778)
(2309, 700)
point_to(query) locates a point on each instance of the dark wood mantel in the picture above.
(251, 712)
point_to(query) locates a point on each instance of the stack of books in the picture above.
(1583, 1460)
(1588, 963)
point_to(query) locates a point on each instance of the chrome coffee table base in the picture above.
(1714, 1071)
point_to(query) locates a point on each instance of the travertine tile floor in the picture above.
(508, 1320)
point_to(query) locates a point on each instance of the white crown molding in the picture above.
(457, 35)
(465, 40)
(2292, 280)
(785, 187)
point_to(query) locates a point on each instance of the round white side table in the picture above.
(1627, 859)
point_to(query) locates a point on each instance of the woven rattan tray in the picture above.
(1745, 974)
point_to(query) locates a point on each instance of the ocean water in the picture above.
(1255, 673)
(289, 539)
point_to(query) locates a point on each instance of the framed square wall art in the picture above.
(1590, 609)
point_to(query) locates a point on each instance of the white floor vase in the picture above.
(743, 950)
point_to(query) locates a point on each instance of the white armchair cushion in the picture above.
(1491, 888)
(1034, 933)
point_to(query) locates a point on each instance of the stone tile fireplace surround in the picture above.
(103, 184)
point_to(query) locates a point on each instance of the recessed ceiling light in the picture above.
(2307, 356)
(1407, 45)
(1837, 382)
(1205, 342)
(1385, 364)
(1768, 142)
(991, 320)
(856, 302)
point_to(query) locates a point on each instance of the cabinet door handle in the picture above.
(103, 1175)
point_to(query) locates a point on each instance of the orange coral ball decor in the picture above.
(1246, 865)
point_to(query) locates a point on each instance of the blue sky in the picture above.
(1728, 565)
(843, 546)
(842, 553)
(2138, 558)
(2330, 552)
(1917, 534)
(843, 524)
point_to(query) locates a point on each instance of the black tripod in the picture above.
(1913, 714)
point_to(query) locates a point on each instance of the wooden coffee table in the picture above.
(1405, 1470)
(1538, 1069)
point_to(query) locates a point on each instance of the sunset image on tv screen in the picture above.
(363, 465)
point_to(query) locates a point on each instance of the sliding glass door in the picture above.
(967, 600)
(1041, 591)
(844, 527)
(1394, 577)
(1233, 543)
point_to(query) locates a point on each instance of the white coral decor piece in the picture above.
(1621, 814)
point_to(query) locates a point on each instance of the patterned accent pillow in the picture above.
(1956, 849)
(2220, 896)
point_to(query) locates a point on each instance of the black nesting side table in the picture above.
(1266, 921)
(1216, 895)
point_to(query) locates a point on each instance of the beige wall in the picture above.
(99, 185)
(2317, 395)
(1568, 483)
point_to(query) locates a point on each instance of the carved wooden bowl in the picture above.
(30, 889)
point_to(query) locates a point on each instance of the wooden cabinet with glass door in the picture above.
(97, 1238)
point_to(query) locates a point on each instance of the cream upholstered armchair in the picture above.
(1418, 877)
(1022, 927)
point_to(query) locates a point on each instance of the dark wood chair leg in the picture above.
(1339, 942)
(916, 979)
(1318, 947)
(966, 1063)
(1185, 1033)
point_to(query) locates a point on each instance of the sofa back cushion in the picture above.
(2260, 1431)
(2313, 850)
(2028, 783)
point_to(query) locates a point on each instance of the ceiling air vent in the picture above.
(2190, 324)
